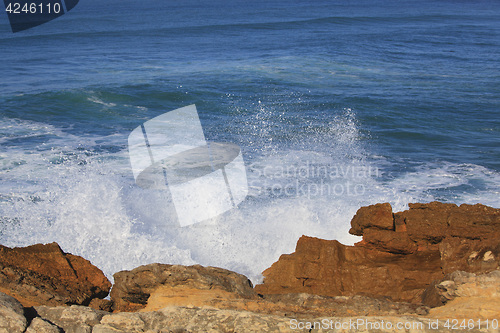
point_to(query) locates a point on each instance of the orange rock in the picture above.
(156, 286)
(329, 268)
(45, 275)
(399, 257)
(375, 216)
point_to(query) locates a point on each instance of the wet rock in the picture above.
(45, 275)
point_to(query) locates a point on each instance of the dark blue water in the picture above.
(406, 94)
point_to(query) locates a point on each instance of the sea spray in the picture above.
(85, 199)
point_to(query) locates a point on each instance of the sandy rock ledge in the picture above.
(177, 319)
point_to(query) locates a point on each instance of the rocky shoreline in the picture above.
(416, 270)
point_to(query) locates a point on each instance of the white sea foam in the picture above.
(89, 204)
(97, 100)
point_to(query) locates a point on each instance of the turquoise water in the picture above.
(335, 105)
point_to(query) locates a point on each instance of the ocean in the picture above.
(334, 104)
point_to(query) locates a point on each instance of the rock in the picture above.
(72, 319)
(124, 322)
(12, 318)
(298, 305)
(45, 275)
(194, 319)
(377, 216)
(101, 304)
(466, 295)
(310, 306)
(400, 255)
(154, 287)
(38, 325)
(212, 320)
(432, 226)
(329, 268)
(176, 285)
(432, 222)
(177, 319)
(184, 319)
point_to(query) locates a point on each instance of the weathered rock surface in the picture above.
(175, 319)
(44, 274)
(154, 287)
(176, 285)
(101, 304)
(12, 318)
(72, 319)
(295, 305)
(310, 306)
(330, 268)
(465, 295)
(399, 257)
(184, 319)
(39, 325)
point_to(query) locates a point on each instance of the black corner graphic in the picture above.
(26, 14)
(70, 4)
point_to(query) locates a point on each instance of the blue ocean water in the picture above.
(335, 104)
